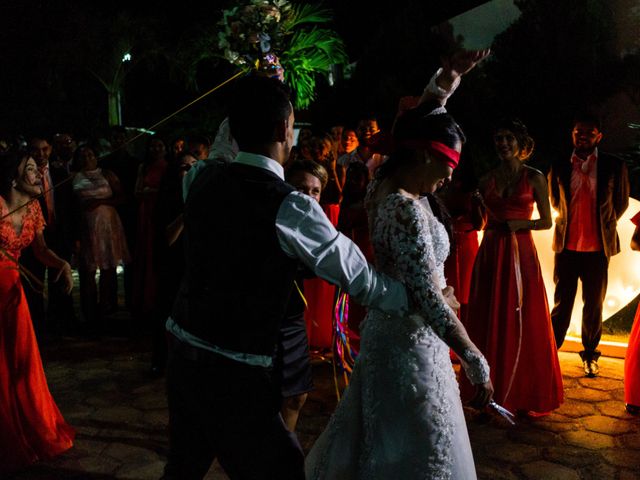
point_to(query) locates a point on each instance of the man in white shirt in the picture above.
(245, 232)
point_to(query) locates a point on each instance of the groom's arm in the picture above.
(305, 233)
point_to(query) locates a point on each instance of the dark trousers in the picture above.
(227, 410)
(592, 270)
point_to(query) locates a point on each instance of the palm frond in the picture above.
(311, 53)
(305, 14)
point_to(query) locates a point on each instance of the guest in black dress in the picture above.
(293, 359)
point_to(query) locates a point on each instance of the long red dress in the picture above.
(144, 274)
(31, 426)
(320, 296)
(517, 342)
(632, 359)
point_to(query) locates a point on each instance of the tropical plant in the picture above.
(284, 40)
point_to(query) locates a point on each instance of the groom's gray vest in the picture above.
(238, 280)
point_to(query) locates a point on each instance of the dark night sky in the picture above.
(47, 47)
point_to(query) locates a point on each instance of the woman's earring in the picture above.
(14, 184)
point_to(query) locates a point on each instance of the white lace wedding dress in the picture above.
(401, 417)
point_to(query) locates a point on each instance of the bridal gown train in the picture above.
(401, 416)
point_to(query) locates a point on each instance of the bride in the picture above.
(401, 416)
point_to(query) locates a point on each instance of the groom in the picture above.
(246, 230)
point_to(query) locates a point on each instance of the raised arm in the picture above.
(446, 80)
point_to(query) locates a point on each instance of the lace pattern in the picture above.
(399, 418)
(406, 237)
(10, 240)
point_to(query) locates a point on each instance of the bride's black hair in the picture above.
(9, 165)
(428, 121)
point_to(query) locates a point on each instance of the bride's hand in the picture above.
(450, 298)
(484, 394)
(463, 61)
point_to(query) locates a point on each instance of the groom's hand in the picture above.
(450, 298)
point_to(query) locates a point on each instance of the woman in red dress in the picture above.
(320, 294)
(465, 223)
(31, 426)
(509, 317)
(150, 176)
(632, 359)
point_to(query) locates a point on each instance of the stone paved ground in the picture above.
(120, 414)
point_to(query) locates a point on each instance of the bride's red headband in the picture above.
(449, 155)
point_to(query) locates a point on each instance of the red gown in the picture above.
(31, 426)
(144, 274)
(518, 343)
(632, 359)
(320, 297)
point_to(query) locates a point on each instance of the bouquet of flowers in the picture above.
(282, 40)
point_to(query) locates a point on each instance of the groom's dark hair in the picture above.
(257, 106)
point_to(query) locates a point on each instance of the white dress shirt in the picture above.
(305, 233)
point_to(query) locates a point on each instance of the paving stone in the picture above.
(631, 440)
(510, 453)
(95, 364)
(118, 414)
(133, 433)
(60, 374)
(128, 453)
(149, 401)
(612, 408)
(570, 456)
(149, 471)
(548, 471)
(607, 425)
(623, 457)
(159, 417)
(91, 464)
(558, 427)
(599, 471)
(489, 472)
(121, 418)
(611, 368)
(618, 395)
(128, 364)
(94, 374)
(77, 413)
(156, 387)
(575, 409)
(569, 383)
(588, 440)
(587, 395)
(600, 383)
(533, 436)
(87, 447)
(628, 475)
(487, 434)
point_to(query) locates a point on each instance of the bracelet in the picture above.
(535, 225)
(476, 367)
(439, 92)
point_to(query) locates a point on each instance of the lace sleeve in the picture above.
(411, 248)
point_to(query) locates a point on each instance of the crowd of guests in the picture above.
(110, 209)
